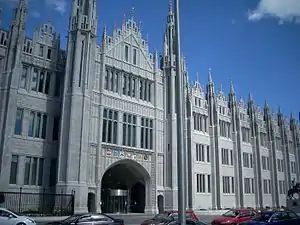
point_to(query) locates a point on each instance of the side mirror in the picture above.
(10, 216)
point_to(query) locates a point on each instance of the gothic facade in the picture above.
(71, 120)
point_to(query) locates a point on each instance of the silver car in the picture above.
(8, 217)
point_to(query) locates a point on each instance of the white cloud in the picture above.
(58, 5)
(283, 10)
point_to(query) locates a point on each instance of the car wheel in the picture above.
(21, 224)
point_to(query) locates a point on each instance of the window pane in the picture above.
(44, 128)
(23, 77)
(41, 172)
(31, 124)
(18, 122)
(14, 169)
(34, 80)
(27, 170)
(33, 171)
(38, 125)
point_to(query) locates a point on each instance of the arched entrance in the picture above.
(124, 189)
(160, 203)
(91, 203)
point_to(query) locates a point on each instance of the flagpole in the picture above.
(180, 119)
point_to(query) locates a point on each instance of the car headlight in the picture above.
(30, 220)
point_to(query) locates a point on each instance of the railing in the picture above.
(38, 204)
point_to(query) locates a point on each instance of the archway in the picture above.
(125, 188)
(160, 203)
(91, 203)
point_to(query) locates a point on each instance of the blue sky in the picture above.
(253, 43)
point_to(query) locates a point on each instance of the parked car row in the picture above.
(232, 217)
(254, 217)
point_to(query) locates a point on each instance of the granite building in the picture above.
(100, 120)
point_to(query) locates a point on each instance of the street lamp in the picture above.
(180, 123)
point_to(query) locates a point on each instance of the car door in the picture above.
(5, 219)
(244, 216)
(102, 220)
(279, 218)
(293, 218)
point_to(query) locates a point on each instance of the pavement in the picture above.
(134, 219)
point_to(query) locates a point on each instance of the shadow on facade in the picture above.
(123, 189)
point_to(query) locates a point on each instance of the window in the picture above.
(245, 134)
(23, 77)
(111, 80)
(200, 157)
(37, 125)
(145, 90)
(293, 167)
(267, 186)
(208, 153)
(134, 56)
(34, 171)
(247, 160)
(225, 129)
(208, 184)
(126, 53)
(14, 169)
(263, 140)
(227, 182)
(110, 126)
(49, 54)
(200, 183)
(34, 80)
(41, 52)
(55, 131)
(249, 186)
(19, 121)
(40, 81)
(146, 133)
(265, 163)
(227, 156)
(278, 143)
(281, 185)
(200, 122)
(129, 130)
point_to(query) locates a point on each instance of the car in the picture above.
(8, 217)
(275, 217)
(89, 219)
(188, 222)
(168, 216)
(234, 217)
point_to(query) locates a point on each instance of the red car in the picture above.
(234, 217)
(169, 215)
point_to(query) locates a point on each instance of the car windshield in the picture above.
(70, 219)
(18, 214)
(262, 217)
(160, 216)
(231, 213)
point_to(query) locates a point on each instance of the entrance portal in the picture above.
(124, 187)
(91, 202)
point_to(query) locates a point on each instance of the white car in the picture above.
(8, 217)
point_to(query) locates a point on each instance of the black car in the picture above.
(89, 219)
(188, 222)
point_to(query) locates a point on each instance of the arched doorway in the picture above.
(124, 189)
(91, 203)
(160, 203)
